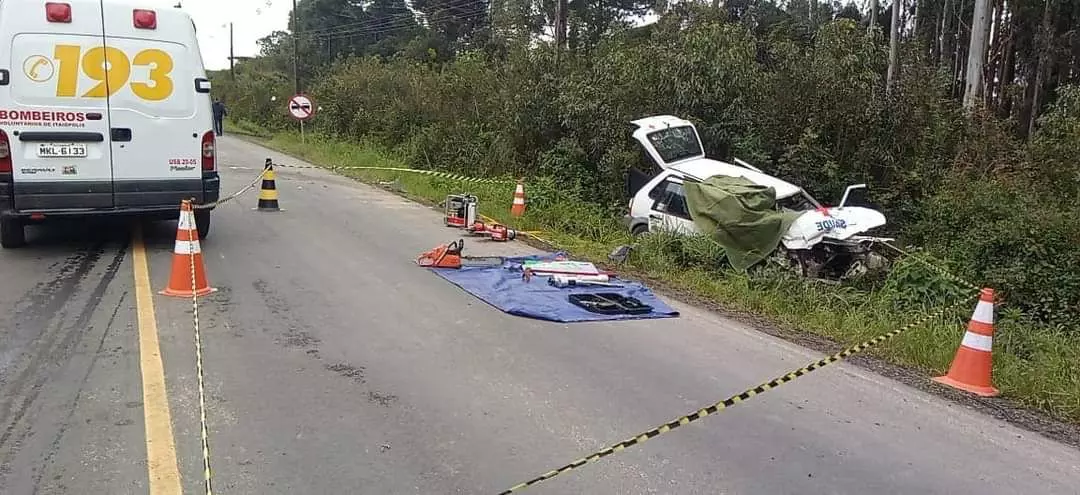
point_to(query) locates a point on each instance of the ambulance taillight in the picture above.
(209, 149)
(5, 154)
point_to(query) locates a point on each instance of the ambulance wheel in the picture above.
(12, 233)
(202, 223)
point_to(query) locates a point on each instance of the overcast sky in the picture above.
(252, 19)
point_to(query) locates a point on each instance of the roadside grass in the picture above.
(245, 128)
(1035, 366)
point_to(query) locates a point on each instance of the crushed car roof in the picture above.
(703, 168)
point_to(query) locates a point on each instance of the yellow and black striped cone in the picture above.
(268, 197)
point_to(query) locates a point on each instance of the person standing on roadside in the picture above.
(219, 116)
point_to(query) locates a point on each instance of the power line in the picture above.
(392, 26)
(412, 15)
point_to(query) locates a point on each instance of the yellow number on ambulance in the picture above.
(110, 67)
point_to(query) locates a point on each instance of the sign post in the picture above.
(302, 108)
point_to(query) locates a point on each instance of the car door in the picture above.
(156, 130)
(56, 120)
(669, 211)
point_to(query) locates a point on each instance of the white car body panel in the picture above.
(838, 223)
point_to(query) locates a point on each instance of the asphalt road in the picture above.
(335, 365)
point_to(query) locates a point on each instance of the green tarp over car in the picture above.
(740, 215)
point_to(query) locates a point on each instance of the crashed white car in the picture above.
(824, 242)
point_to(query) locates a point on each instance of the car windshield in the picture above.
(675, 143)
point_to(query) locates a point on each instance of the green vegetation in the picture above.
(993, 194)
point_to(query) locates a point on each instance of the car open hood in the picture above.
(831, 223)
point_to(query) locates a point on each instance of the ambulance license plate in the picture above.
(53, 150)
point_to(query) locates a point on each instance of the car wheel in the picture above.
(202, 223)
(639, 229)
(12, 233)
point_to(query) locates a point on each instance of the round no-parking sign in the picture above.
(301, 107)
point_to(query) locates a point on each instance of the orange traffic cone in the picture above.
(183, 282)
(518, 208)
(973, 365)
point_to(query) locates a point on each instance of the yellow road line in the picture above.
(160, 448)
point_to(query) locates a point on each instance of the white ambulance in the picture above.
(104, 110)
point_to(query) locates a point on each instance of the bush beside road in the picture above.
(1034, 365)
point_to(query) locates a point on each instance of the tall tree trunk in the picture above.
(1074, 73)
(992, 70)
(1008, 67)
(945, 45)
(1028, 64)
(561, 16)
(915, 18)
(1044, 47)
(961, 64)
(894, 47)
(960, 50)
(873, 14)
(976, 54)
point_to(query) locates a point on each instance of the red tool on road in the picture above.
(449, 256)
(478, 228)
(461, 210)
(497, 233)
(500, 233)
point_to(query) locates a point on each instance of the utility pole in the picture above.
(232, 56)
(295, 47)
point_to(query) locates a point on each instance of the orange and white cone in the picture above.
(518, 208)
(973, 365)
(182, 282)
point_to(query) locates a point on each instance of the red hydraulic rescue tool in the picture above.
(449, 256)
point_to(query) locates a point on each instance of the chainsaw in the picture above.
(449, 256)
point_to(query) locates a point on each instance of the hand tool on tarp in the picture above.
(564, 281)
(449, 256)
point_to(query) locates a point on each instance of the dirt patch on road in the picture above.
(348, 371)
(385, 400)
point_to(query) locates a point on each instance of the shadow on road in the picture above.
(59, 237)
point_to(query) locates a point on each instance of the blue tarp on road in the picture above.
(503, 288)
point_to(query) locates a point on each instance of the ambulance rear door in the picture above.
(54, 108)
(159, 107)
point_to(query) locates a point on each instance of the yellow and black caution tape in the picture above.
(205, 437)
(434, 173)
(733, 400)
(204, 430)
(232, 196)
